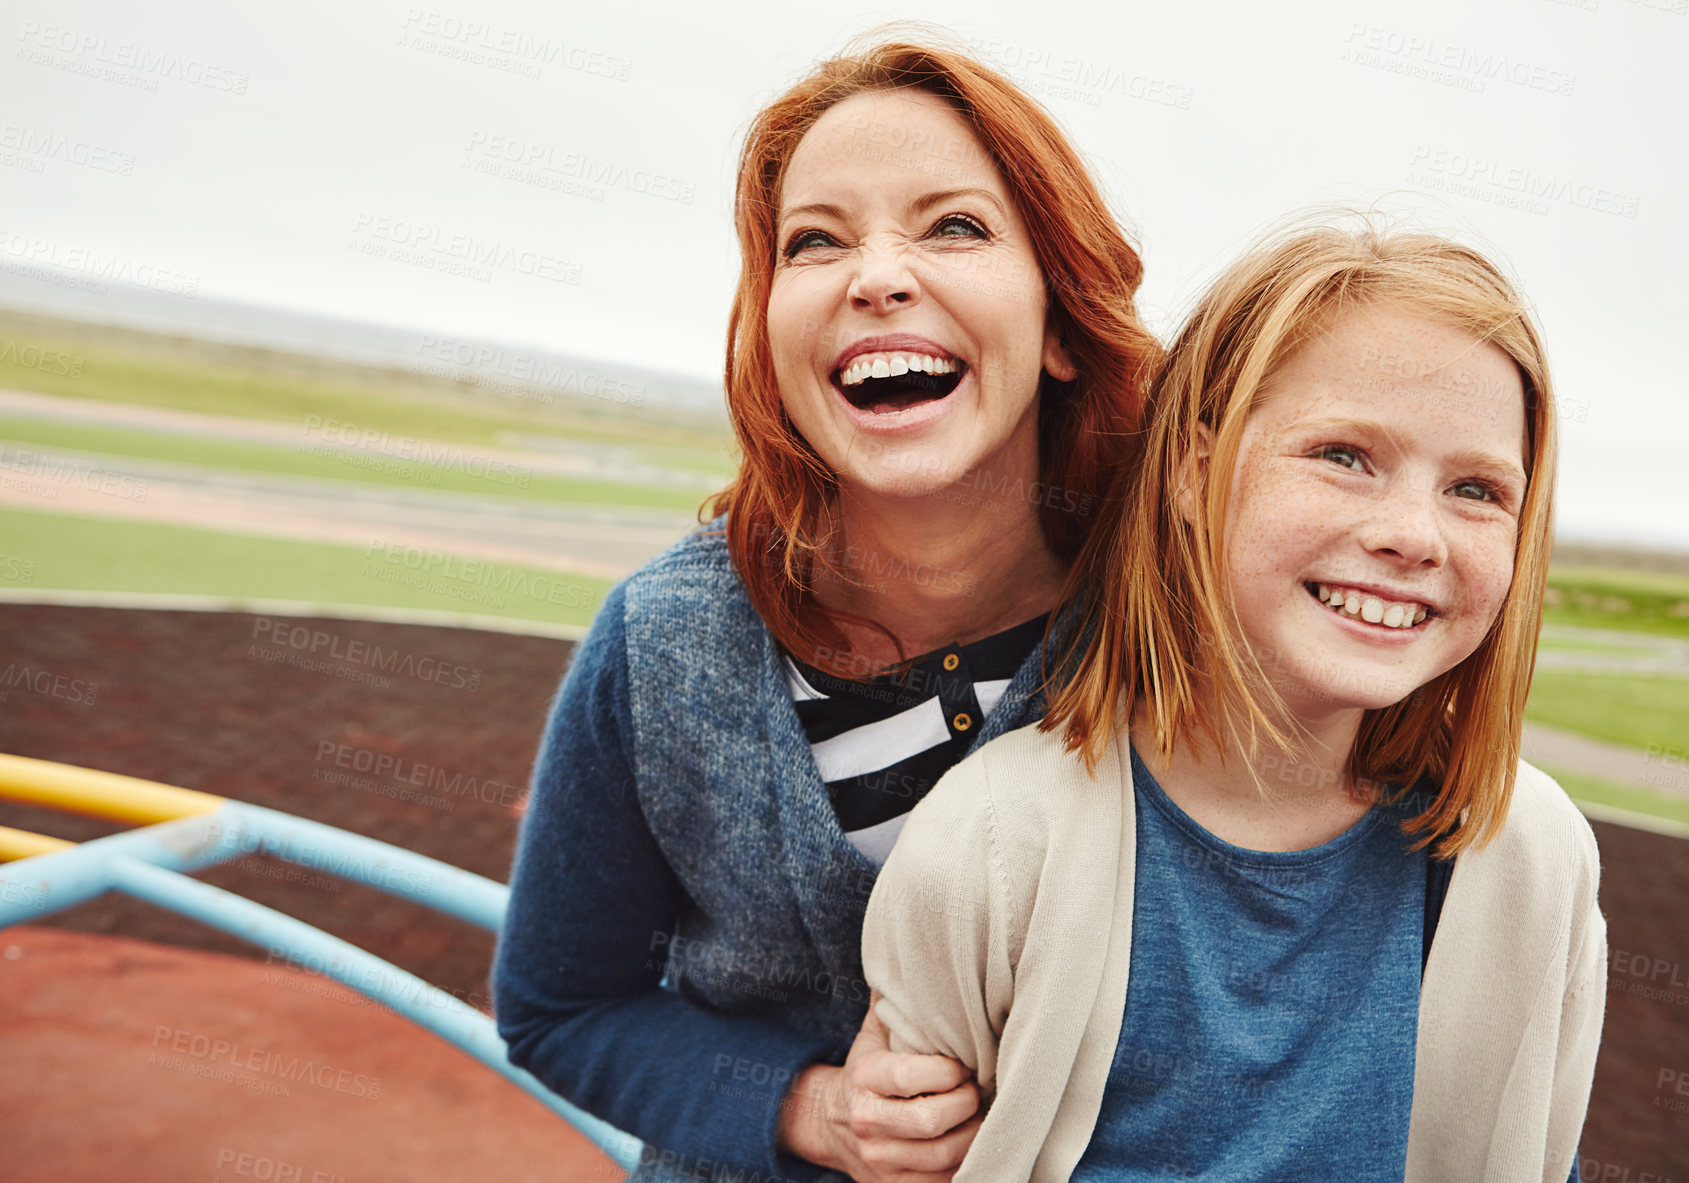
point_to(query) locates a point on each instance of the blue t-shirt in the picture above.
(1272, 1009)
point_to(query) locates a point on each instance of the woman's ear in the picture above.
(1193, 473)
(1056, 361)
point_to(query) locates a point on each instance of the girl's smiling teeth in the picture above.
(1348, 601)
(894, 380)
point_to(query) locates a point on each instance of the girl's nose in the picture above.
(1408, 527)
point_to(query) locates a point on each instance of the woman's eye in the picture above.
(957, 226)
(1343, 454)
(807, 240)
(1473, 490)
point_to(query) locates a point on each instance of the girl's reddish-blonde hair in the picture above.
(1162, 621)
(775, 507)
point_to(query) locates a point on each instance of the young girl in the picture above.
(1185, 928)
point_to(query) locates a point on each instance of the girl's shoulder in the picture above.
(1542, 819)
(1544, 850)
(1018, 821)
(1024, 794)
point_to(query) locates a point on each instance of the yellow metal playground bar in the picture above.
(182, 830)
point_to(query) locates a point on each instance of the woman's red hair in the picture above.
(776, 505)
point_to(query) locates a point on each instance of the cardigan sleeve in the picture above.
(576, 977)
(962, 895)
(1582, 1011)
(933, 945)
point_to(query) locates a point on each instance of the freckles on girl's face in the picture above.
(1375, 508)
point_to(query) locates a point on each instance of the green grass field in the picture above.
(1637, 712)
(1644, 713)
(63, 552)
(115, 365)
(1624, 601)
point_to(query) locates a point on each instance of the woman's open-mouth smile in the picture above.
(886, 378)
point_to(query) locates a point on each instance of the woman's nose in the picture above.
(884, 282)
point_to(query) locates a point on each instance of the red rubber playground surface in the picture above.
(141, 1046)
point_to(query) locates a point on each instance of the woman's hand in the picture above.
(884, 1116)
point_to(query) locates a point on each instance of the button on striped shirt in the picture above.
(882, 744)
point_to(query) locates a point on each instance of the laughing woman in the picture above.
(934, 362)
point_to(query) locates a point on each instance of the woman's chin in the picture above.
(934, 489)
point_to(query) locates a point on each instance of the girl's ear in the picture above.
(1057, 363)
(1193, 473)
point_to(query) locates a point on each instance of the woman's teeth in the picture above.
(893, 365)
(1389, 613)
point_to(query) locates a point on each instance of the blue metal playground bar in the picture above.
(150, 863)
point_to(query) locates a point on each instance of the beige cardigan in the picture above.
(1000, 931)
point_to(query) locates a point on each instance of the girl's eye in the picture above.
(807, 240)
(957, 226)
(1474, 490)
(1343, 454)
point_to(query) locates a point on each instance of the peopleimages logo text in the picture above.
(131, 56)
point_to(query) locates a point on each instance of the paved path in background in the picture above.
(1660, 771)
(606, 541)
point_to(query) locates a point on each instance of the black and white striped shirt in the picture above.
(882, 744)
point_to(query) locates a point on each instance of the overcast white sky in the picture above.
(267, 153)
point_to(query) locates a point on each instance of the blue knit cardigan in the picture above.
(685, 917)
